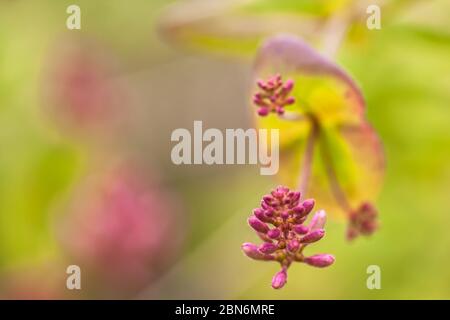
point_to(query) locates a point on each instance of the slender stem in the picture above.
(308, 157)
(336, 189)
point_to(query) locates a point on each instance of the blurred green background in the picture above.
(48, 159)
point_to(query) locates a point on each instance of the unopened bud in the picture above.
(318, 220)
(279, 280)
(293, 245)
(274, 233)
(308, 205)
(301, 229)
(320, 260)
(268, 247)
(251, 251)
(313, 236)
(257, 224)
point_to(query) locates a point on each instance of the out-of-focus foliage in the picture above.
(43, 156)
(237, 27)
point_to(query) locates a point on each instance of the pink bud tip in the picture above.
(268, 247)
(318, 220)
(257, 224)
(296, 196)
(279, 110)
(261, 84)
(269, 212)
(293, 245)
(289, 101)
(251, 251)
(279, 280)
(313, 236)
(274, 233)
(259, 213)
(263, 111)
(308, 205)
(320, 260)
(268, 199)
(300, 211)
(301, 229)
(288, 85)
(282, 189)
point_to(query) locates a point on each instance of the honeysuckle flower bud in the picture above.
(300, 211)
(263, 111)
(274, 96)
(362, 221)
(274, 233)
(260, 214)
(293, 245)
(313, 236)
(301, 229)
(308, 205)
(318, 221)
(279, 280)
(286, 241)
(268, 247)
(251, 251)
(320, 260)
(258, 225)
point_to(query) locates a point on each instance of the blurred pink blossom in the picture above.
(79, 87)
(123, 229)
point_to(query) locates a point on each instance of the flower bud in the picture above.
(308, 205)
(274, 233)
(257, 224)
(289, 101)
(268, 199)
(279, 110)
(320, 260)
(263, 111)
(288, 85)
(279, 280)
(301, 229)
(295, 196)
(299, 210)
(318, 220)
(269, 212)
(293, 245)
(259, 213)
(313, 236)
(251, 251)
(268, 247)
(284, 215)
(261, 84)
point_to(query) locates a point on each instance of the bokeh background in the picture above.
(85, 171)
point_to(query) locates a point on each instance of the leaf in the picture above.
(347, 148)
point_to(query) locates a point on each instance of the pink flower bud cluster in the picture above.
(274, 96)
(362, 221)
(285, 240)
